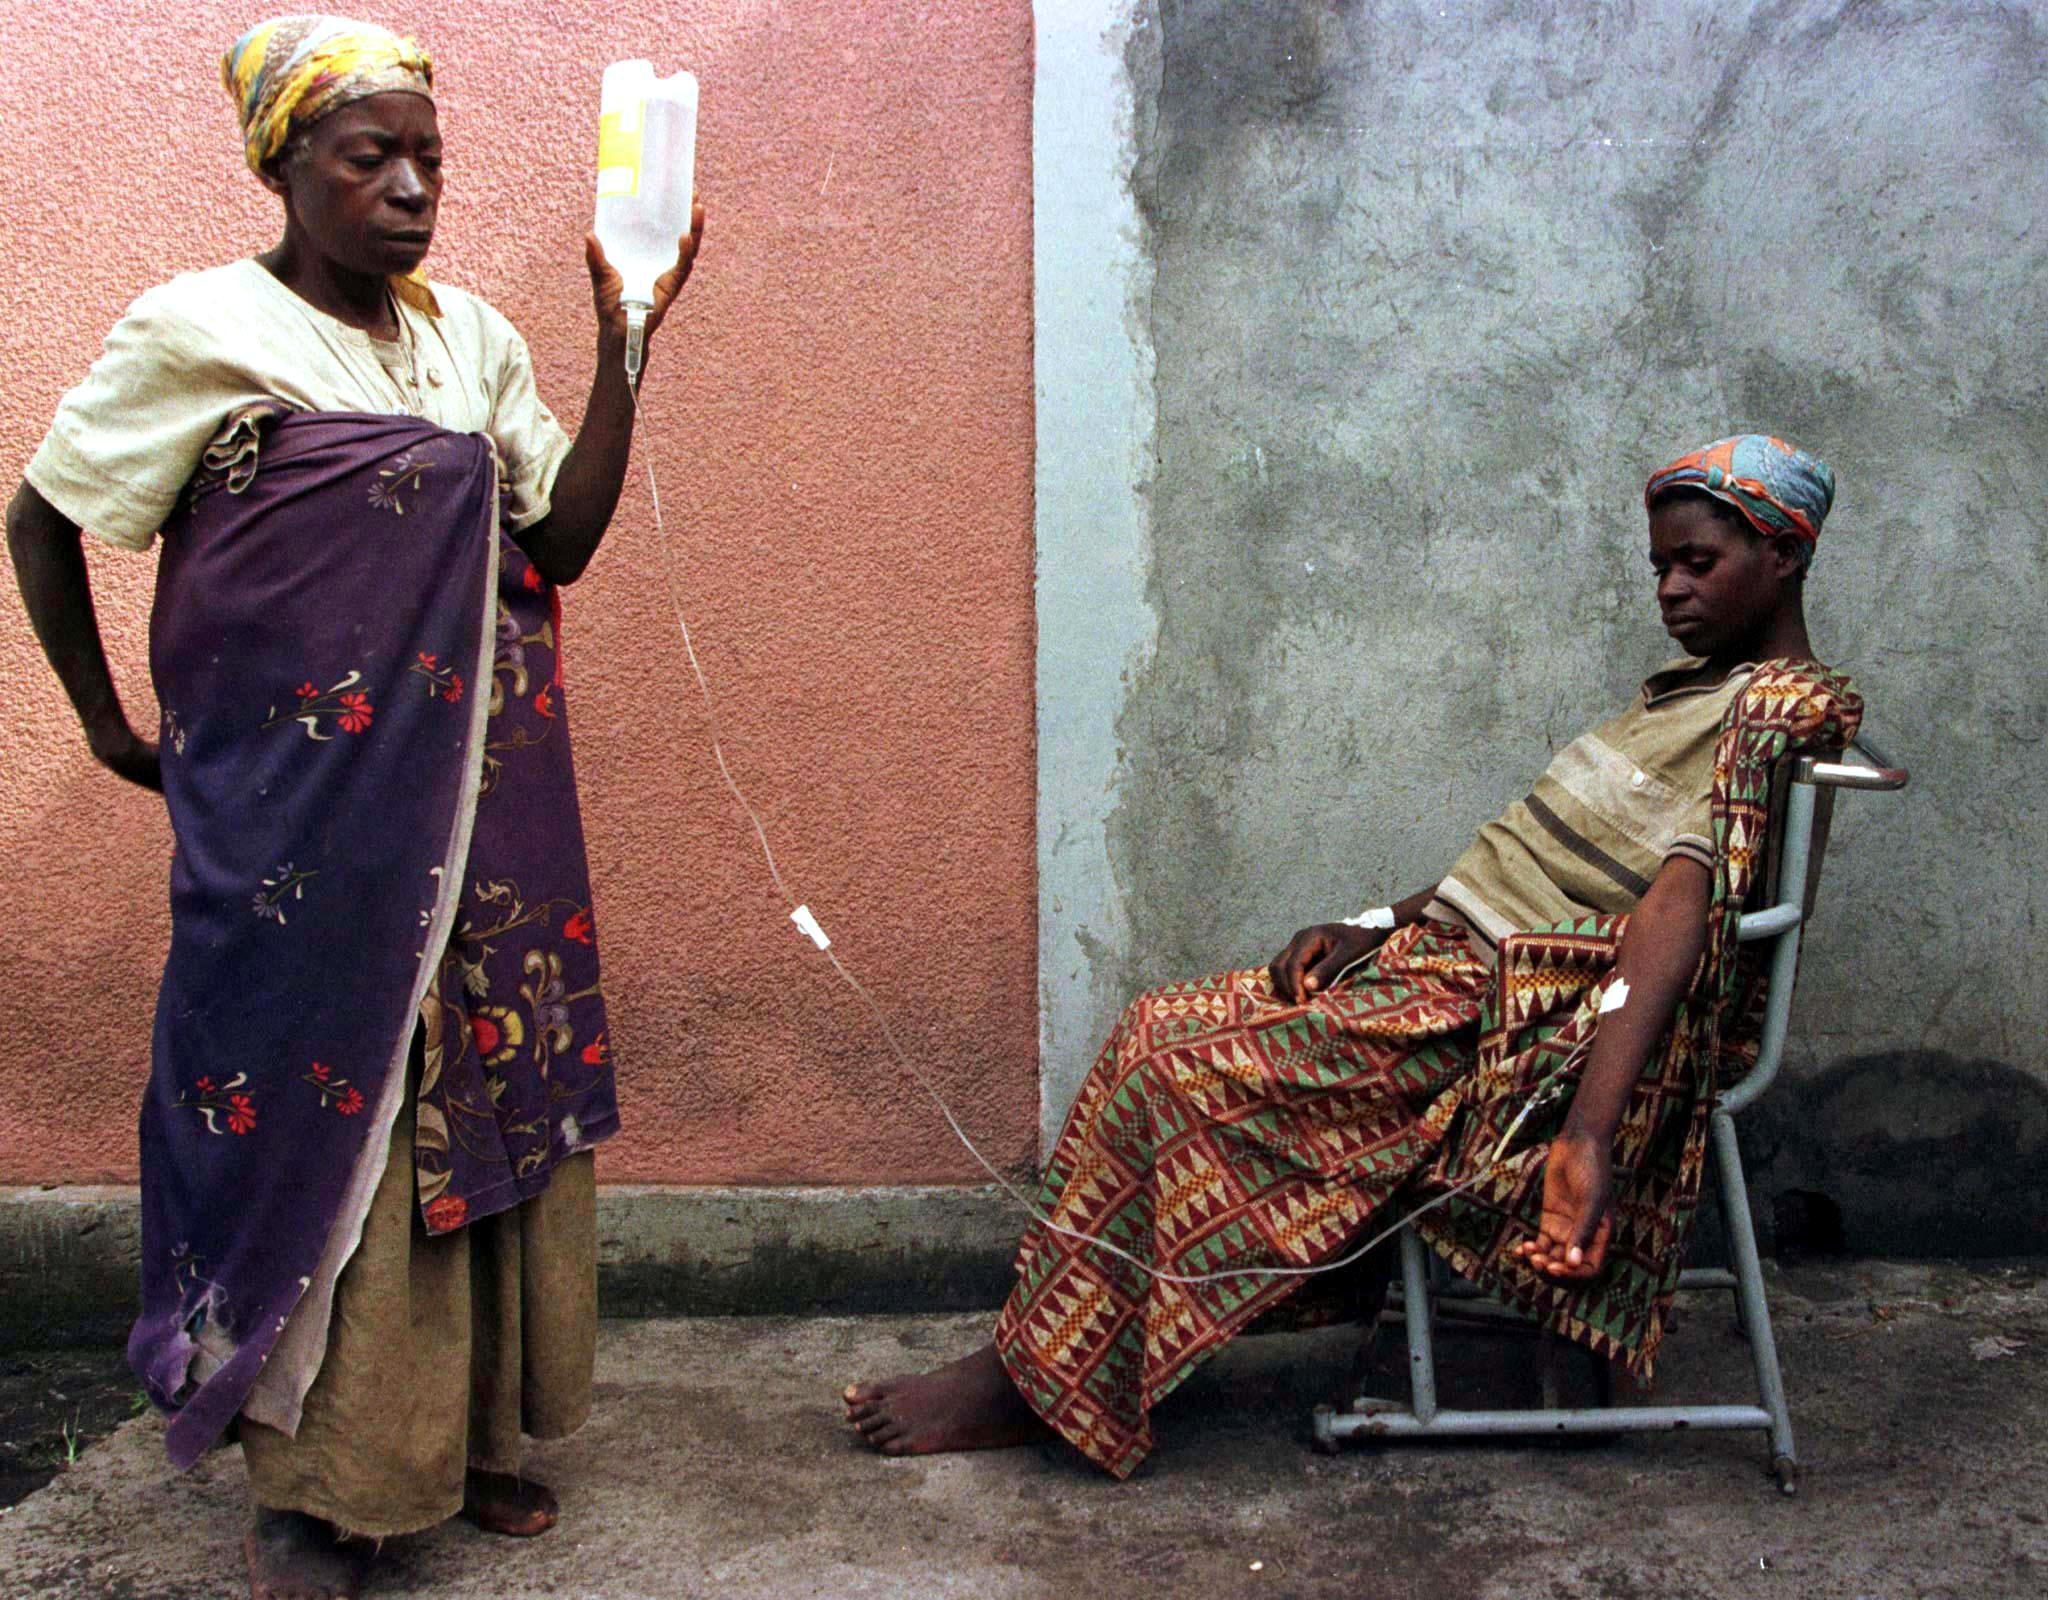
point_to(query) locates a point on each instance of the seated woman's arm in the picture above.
(49, 564)
(1660, 951)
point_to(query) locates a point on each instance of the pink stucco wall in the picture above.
(841, 419)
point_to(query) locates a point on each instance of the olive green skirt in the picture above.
(441, 1353)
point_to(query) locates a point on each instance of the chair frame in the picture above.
(1807, 796)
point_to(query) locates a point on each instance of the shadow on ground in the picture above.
(715, 1465)
(54, 1405)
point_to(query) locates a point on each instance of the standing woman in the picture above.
(380, 1057)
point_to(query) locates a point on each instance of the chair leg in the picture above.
(1418, 1305)
(1750, 1302)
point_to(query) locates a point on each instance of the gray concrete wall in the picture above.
(1423, 292)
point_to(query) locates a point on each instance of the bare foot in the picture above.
(969, 1404)
(296, 1557)
(497, 1502)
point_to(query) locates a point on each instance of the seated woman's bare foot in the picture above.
(296, 1557)
(969, 1404)
(498, 1502)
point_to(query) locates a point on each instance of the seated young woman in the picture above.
(1272, 1118)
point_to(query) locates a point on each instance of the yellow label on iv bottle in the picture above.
(619, 137)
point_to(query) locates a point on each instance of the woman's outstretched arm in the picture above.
(587, 486)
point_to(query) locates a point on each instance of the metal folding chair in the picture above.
(1800, 838)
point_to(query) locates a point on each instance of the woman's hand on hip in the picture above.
(129, 755)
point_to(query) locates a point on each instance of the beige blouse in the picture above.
(188, 352)
(1613, 807)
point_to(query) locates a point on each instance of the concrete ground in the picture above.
(715, 1465)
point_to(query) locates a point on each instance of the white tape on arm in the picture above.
(1378, 917)
(802, 917)
(1615, 998)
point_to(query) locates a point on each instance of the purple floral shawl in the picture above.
(366, 761)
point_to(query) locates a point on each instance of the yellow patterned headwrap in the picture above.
(291, 71)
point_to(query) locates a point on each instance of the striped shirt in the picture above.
(1614, 806)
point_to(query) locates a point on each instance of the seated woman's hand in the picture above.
(1315, 956)
(1578, 1210)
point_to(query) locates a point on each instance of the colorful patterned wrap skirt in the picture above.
(1222, 1128)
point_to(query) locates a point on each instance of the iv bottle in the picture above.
(646, 165)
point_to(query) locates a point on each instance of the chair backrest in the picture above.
(1804, 784)
(1767, 890)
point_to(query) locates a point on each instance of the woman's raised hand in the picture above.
(605, 282)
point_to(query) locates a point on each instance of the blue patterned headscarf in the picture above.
(1776, 487)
